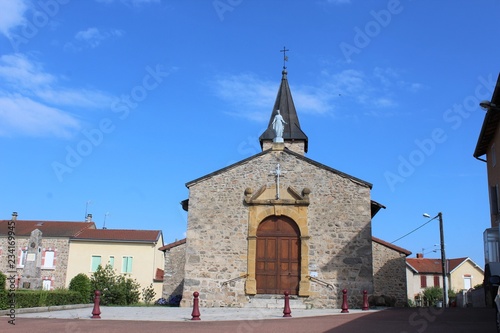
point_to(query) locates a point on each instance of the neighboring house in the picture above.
(56, 236)
(131, 252)
(462, 274)
(389, 271)
(175, 259)
(70, 248)
(487, 150)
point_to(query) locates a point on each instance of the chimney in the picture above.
(420, 255)
(14, 216)
(89, 218)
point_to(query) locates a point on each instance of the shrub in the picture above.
(148, 294)
(3, 281)
(115, 289)
(81, 284)
(433, 294)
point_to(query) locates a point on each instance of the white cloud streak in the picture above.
(33, 103)
(252, 97)
(12, 15)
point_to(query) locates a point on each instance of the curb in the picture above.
(47, 308)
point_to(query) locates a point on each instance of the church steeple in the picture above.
(293, 136)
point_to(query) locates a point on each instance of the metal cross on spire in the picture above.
(285, 57)
(277, 172)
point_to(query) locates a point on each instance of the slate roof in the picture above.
(284, 103)
(48, 228)
(119, 235)
(391, 246)
(490, 124)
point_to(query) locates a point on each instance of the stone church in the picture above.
(279, 221)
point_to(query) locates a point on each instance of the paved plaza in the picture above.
(166, 319)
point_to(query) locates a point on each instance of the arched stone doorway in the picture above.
(278, 257)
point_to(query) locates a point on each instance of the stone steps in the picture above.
(274, 302)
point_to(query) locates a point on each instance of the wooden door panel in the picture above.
(278, 255)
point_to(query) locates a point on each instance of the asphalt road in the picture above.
(407, 320)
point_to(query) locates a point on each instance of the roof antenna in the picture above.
(285, 57)
(104, 224)
(87, 208)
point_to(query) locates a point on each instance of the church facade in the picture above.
(278, 221)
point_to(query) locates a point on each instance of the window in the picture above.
(494, 206)
(127, 265)
(96, 261)
(436, 281)
(493, 155)
(22, 257)
(49, 259)
(112, 261)
(423, 281)
(46, 284)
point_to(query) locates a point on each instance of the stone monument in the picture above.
(31, 277)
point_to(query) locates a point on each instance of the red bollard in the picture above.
(286, 311)
(345, 306)
(97, 310)
(196, 310)
(365, 301)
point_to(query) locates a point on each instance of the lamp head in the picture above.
(426, 215)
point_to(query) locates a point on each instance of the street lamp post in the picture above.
(443, 257)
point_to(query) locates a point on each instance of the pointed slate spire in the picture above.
(284, 103)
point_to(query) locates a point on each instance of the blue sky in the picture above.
(111, 106)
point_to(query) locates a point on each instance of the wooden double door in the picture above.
(278, 256)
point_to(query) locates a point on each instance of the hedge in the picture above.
(36, 298)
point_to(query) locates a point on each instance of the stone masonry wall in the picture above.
(339, 224)
(389, 273)
(57, 273)
(173, 281)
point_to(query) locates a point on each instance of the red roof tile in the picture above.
(391, 246)
(431, 265)
(124, 235)
(48, 228)
(425, 265)
(172, 245)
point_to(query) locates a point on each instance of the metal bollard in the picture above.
(196, 309)
(345, 306)
(286, 311)
(366, 306)
(97, 310)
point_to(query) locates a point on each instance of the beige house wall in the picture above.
(146, 259)
(467, 268)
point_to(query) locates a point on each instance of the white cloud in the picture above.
(91, 38)
(22, 115)
(33, 102)
(135, 3)
(12, 15)
(253, 98)
(372, 94)
(338, 2)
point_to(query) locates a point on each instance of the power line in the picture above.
(413, 230)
